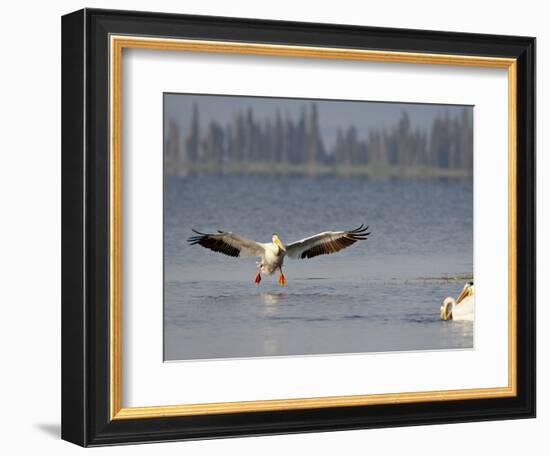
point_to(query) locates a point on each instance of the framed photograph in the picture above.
(278, 227)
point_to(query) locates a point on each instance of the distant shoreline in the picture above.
(374, 171)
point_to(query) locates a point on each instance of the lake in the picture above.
(378, 295)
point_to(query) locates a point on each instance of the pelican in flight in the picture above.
(272, 254)
(462, 308)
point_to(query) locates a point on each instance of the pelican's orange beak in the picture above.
(280, 244)
(466, 291)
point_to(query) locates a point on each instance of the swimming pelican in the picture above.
(462, 308)
(272, 254)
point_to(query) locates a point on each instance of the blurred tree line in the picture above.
(283, 145)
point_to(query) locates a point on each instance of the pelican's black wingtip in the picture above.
(196, 239)
(360, 229)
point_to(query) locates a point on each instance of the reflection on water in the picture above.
(379, 295)
(269, 299)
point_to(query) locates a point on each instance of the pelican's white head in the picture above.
(275, 239)
(446, 309)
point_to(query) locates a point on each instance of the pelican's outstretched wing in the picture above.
(325, 243)
(227, 243)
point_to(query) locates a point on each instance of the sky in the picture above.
(364, 115)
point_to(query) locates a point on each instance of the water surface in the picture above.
(382, 294)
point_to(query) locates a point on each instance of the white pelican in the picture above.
(272, 254)
(462, 308)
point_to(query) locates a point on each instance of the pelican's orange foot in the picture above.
(282, 280)
(258, 279)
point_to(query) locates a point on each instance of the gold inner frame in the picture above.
(117, 44)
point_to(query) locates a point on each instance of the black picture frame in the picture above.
(85, 228)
